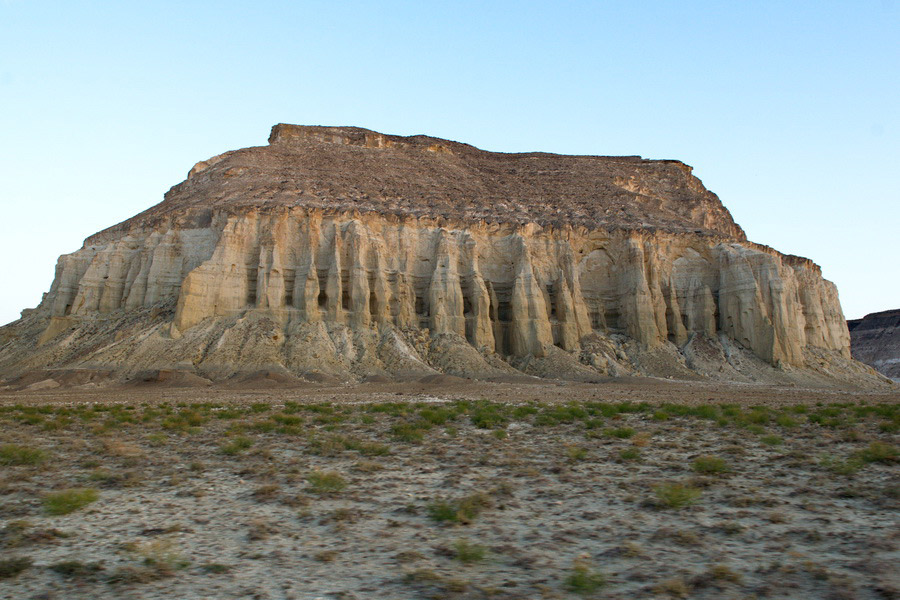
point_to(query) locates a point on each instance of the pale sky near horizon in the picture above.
(789, 111)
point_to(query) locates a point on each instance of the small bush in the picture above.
(710, 464)
(675, 588)
(576, 453)
(676, 495)
(10, 567)
(366, 448)
(786, 421)
(410, 432)
(462, 510)
(842, 467)
(290, 420)
(76, 568)
(237, 445)
(584, 581)
(266, 492)
(67, 501)
(467, 552)
(630, 454)
(13, 454)
(438, 416)
(724, 573)
(163, 556)
(554, 415)
(525, 410)
(325, 482)
(878, 452)
(489, 416)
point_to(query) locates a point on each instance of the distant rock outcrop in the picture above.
(343, 253)
(875, 340)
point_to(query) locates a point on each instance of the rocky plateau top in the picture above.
(345, 169)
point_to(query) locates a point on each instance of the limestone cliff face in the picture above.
(348, 252)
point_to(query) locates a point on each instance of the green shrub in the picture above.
(554, 415)
(786, 421)
(325, 482)
(842, 467)
(367, 448)
(486, 415)
(676, 495)
(576, 453)
(438, 416)
(710, 464)
(520, 412)
(771, 440)
(237, 445)
(878, 452)
(630, 454)
(410, 432)
(620, 432)
(66, 501)
(13, 454)
(584, 581)
(467, 552)
(461, 510)
(758, 416)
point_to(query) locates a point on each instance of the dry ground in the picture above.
(637, 489)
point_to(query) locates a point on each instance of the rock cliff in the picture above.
(875, 340)
(344, 253)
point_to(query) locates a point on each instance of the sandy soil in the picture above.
(631, 489)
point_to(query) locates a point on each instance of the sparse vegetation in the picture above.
(67, 501)
(620, 432)
(468, 552)
(14, 454)
(630, 454)
(287, 470)
(710, 465)
(237, 445)
(576, 453)
(461, 510)
(878, 452)
(325, 482)
(10, 567)
(676, 495)
(77, 569)
(584, 581)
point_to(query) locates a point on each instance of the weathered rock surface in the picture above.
(345, 253)
(875, 340)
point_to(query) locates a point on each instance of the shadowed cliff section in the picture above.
(339, 253)
(875, 340)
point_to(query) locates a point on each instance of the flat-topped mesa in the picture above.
(355, 253)
(284, 133)
(343, 169)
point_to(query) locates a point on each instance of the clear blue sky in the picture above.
(790, 111)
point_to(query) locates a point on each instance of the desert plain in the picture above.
(448, 488)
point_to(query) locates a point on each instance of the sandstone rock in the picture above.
(353, 254)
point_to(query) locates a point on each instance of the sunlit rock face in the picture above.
(352, 253)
